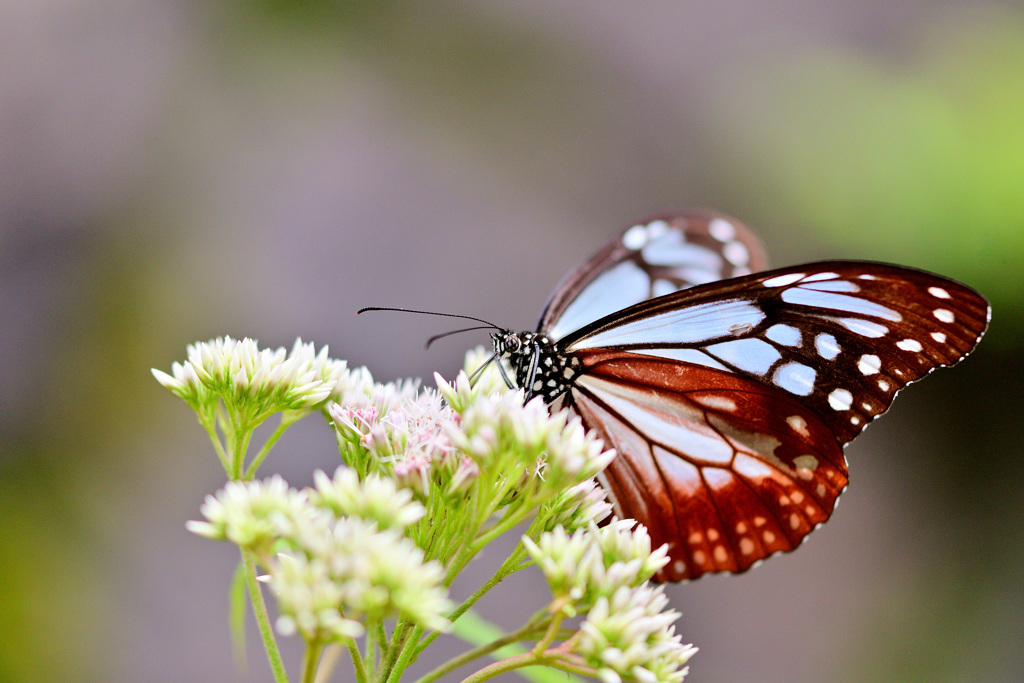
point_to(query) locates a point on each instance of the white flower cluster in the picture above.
(255, 382)
(439, 442)
(335, 554)
(603, 573)
(534, 451)
(629, 635)
(595, 562)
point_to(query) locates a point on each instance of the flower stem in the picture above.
(332, 653)
(357, 661)
(310, 660)
(250, 472)
(504, 666)
(507, 567)
(239, 441)
(398, 641)
(407, 653)
(478, 652)
(211, 430)
(259, 608)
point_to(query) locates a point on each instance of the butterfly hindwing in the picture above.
(664, 254)
(725, 470)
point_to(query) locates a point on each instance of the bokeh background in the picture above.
(175, 171)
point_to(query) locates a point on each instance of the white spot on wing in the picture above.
(661, 287)
(840, 399)
(671, 250)
(817, 277)
(939, 337)
(839, 302)
(828, 347)
(717, 402)
(938, 292)
(782, 280)
(864, 328)
(869, 364)
(832, 286)
(657, 228)
(910, 345)
(635, 237)
(798, 424)
(722, 230)
(944, 315)
(753, 355)
(784, 334)
(680, 326)
(796, 378)
(736, 254)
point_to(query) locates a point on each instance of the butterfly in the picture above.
(729, 391)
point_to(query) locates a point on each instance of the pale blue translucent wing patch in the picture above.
(651, 259)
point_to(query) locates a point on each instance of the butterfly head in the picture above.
(507, 344)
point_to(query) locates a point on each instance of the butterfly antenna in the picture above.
(448, 334)
(443, 315)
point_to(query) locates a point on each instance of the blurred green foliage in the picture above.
(916, 158)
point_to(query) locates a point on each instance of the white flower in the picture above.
(628, 635)
(380, 573)
(376, 499)
(578, 506)
(252, 514)
(309, 600)
(256, 382)
(185, 384)
(595, 562)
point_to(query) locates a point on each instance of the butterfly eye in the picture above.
(512, 343)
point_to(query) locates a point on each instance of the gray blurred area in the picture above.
(176, 171)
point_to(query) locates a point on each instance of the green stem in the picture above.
(259, 609)
(332, 653)
(549, 637)
(239, 441)
(250, 472)
(310, 660)
(381, 634)
(398, 639)
(466, 657)
(357, 661)
(406, 655)
(211, 431)
(504, 666)
(507, 567)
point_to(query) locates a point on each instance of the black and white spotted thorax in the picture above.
(541, 368)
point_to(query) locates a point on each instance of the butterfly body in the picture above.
(728, 391)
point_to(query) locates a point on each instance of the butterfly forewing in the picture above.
(840, 337)
(655, 257)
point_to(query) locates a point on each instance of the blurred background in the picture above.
(176, 171)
